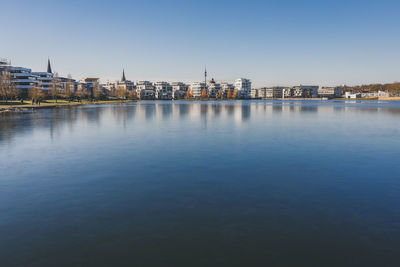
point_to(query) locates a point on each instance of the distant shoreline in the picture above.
(46, 105)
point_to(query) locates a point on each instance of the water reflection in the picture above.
(151, 181)
(55, 120)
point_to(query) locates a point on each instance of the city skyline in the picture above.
(270, 42)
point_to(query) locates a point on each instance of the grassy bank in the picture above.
(18, 105)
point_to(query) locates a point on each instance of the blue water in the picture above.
(258, 183)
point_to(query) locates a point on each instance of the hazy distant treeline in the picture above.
(392, 88)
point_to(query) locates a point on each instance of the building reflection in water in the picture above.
(70, 119)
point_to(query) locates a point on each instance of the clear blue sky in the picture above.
(280, 42)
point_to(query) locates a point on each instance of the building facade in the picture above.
(213, 89)
(330, 92)
(179, 90)
(197, 88)
(145, 90)
(243, 87)
(163, 91)
(226, 87)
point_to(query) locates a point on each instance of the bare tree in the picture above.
(7, 87)
(55, 87)
(69, 88)
(204, 93)
(229, 94)
(132, 95)
(81, 93)
(122, 92)
(96, 91)
(235, 94)
(219, 93)
(189, 93)
(35, 92)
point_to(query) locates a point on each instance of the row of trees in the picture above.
(392, 88)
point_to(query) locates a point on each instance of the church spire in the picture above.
(205, 75)
(123, 79)
(49, 66)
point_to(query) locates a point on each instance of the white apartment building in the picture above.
(287, 92)
(197, 88)
(145, 90)
(44, 79)
(254, 93)
(274, 92)
(126, 85)
(163, 91)
(24, 79)
(352, 95)
(67, 82)
(109, 86)
(213, 89)
(179, 90)
(226, 87)
(330, 92)
(271, 92)
(243, 87)
(88, 84)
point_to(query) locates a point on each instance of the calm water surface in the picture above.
(261, 183)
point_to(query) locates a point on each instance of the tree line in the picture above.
(392, 88)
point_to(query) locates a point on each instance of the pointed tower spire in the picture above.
(205, 75)
(123, 79)
(49, 66)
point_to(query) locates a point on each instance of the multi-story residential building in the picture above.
(44, 79)
(88, 84)
(23, 78)
(274, 92)
(179, 90)
(307, 91)
(330, 92)
(145, 90)
(254, 93)
(352, 95)
(197, 88)
(287, 92)
(310, 91)
(67, 82)
(163, 90)
(258, 93)
(227, 87)
(243, 87)
(109, 86)
(90, 81)
(297, 91)
(213, 89)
